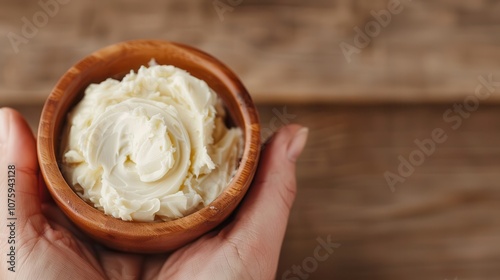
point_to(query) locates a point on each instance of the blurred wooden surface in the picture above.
(284, 51)
(442, 223)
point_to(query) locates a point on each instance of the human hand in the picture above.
(48, 246)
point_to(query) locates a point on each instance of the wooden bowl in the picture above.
(116, 61)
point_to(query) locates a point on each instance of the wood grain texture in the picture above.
(116, 61)
(283, 50)
(442, 223)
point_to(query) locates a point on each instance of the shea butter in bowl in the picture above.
(146, 145)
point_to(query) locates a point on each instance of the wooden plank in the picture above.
(284, 51)
(441, 223)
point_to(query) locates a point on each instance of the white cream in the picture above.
(153, 146)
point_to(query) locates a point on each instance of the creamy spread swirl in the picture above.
(153, 146)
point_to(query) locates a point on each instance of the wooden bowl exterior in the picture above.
(116, 61)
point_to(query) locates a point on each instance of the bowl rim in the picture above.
(65, 196)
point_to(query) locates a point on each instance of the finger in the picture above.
(17, 145)
(263, 216)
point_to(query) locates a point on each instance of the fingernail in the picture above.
(4, 126)
(297, 144)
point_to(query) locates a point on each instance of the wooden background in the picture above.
(284, 51)
(441, 223)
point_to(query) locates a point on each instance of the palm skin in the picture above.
(50, 247)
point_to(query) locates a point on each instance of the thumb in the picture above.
(261, 221)
(275, 178)
(18, 171)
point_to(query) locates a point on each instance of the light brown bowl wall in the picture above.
(116, 61)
